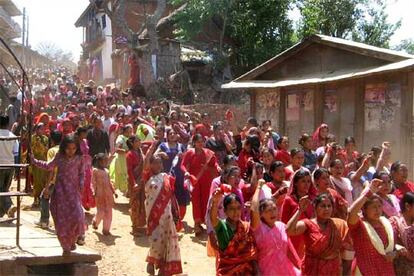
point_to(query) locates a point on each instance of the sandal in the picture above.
(150, 269)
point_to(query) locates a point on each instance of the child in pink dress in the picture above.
(104, 193)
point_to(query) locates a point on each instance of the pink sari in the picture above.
(274, 247)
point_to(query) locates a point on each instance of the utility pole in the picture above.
(24, 37)
(27, 32)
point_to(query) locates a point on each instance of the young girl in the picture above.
(298, 157)
(272, 242)
(282, 153)
(390, 203)
(164, 252)
(341, 184)
(311, 159)
(65, 202)
(104, 193)
(268, 157)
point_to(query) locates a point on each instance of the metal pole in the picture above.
(23, 35)
(27, 32)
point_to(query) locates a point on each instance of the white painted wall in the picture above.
(107, 48)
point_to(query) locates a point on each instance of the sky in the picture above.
(53, 20)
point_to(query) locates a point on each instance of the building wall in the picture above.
(372, 110)
(106, 52)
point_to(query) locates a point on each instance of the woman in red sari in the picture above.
(200, 163)
(300, 186)
(372, 235)
(249, 154)
(399, 175)
(135, 165)
(237, 248)
(328, 247)
(322, 184)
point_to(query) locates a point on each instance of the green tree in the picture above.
(406, 45)
(251, 31)
(336, 18)
(373, 28)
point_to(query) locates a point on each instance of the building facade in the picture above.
(357, 89)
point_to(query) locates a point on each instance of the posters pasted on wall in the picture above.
(330, 100)
(382, 101)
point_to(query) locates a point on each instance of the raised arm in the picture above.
(293, 227)
(362, 169)
(327, 158)
(217, 195)
(373, 187)
(150, 152)
(255, 212)
(386, 151)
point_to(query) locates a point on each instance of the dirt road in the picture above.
(122, 254)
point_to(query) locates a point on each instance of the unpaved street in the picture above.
(124, 255)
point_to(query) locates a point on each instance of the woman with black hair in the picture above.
(328, 246)
(399, 177)
(403, 226)
(65, 201)
(237, 248)
(200, 166)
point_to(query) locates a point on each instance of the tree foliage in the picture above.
(336, 18)
(373, 28)
(251, 30)
(362, 20)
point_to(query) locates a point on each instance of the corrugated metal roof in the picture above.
(321, 78)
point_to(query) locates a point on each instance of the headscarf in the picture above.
(316, 137)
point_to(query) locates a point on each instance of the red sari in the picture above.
(136, 196)
(340, 208)
(194, 162)
(408, 186)
(240, 255)
(283, 156)
(289, 207)
(323, 247)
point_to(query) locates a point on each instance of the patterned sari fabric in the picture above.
(404, 236)
(87, 196)
(239, 258)
(65, 201)
(323, 247)
(368, 241)
(164, 251)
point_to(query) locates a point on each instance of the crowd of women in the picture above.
(267, 208)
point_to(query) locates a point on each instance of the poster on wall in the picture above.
(293, 108)
(330, 101)
(307, 100)
(393, 95)
(372, 118)
(375, 93)
(268, 105)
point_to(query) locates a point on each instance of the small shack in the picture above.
(357, 89)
